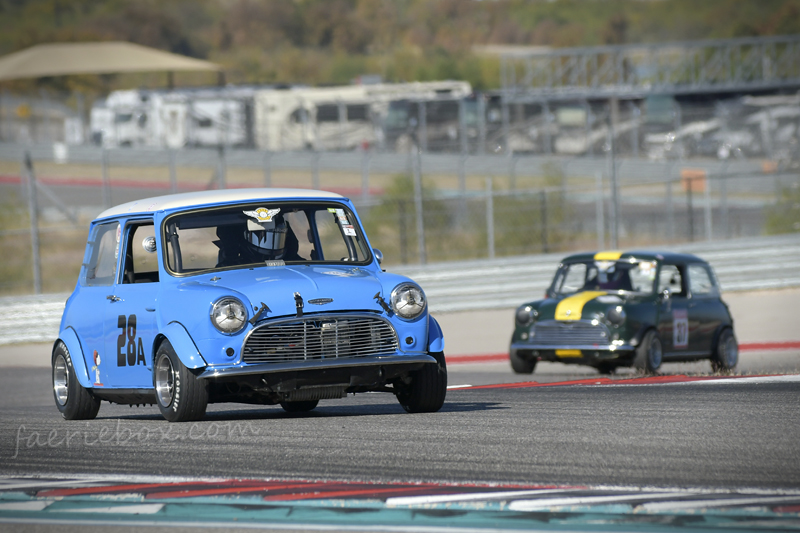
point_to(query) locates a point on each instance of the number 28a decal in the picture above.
(680, 328)
(129, 351)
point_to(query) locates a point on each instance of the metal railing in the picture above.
(741, 265)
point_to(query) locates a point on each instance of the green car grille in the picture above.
(576, 332)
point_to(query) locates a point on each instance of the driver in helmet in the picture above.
(265, 240)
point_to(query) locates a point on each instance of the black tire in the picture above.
(606, 369)
(649, 353)
(726, 352)
(299, 407)
(428, 387)
(520, 365)
(180, 396)
(73, 401)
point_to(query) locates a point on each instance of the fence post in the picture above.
(490, 217)
(670, 205)
(33, 210)
(543, 214)
(707, 198)
(106, 180)
(267, 169)
(315, 171)
(601, 223)
(221, 170)
(417, 164)
(365, 161)
(173, 177)
(723, 200)
(612, 172)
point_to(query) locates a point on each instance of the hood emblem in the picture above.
(320, 301)
(569, 312)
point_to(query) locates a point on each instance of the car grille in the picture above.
(575, 333)
(310, 338)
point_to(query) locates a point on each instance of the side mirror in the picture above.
(378, 255)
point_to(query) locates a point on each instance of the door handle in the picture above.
(113, 298)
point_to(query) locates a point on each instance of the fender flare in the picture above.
(73, 344)
(183, 345)
(435, 336)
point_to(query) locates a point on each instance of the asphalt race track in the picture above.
(523, 455)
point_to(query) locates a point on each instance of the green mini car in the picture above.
(621, 309)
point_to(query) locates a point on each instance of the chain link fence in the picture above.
(417, 207)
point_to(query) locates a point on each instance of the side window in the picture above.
(141, 263)
(101, 267)
(701, 282)
(574, 279)
(669, 277)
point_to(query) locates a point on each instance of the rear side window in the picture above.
(669, 277)
(103, 252)
(701, 282)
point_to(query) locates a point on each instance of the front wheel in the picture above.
(180, 396)
(520, 365)
(726, 354)
(648, 354)
(428, 387)
(73, 401)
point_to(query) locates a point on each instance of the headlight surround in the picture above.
(526, 315)
(616, 315)
(229, 315)
(408, 301)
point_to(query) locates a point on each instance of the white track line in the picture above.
(145, 508)
(463, 497)
(532, 505)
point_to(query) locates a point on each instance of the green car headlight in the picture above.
(526, 315)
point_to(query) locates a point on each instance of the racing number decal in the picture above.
(680, 328)
(133, 353)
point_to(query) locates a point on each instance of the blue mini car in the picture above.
(259, 296)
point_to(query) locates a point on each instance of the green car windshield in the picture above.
(267, 233)
(613, 276)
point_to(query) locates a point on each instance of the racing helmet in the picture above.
(266, 239)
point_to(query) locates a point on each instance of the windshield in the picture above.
(638, 277)
(264, 233)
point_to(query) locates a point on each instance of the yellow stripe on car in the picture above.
(609, 255)
(571, 308)
(568, 353)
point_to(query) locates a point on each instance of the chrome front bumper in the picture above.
(582, 347)
(322, 364)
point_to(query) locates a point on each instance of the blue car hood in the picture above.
(349, 288)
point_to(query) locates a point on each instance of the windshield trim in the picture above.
(626, 261)
(250, 266)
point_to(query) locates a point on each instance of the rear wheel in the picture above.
(299, 407)
(648, 354)
(428, 387)
(520, 365)
(180, 396)
(73, 401)
(726, 353)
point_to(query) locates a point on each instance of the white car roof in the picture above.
(225, 196)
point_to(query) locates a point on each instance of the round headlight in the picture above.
(616, 315)
(228, 315)
(408, 301)
(526, 314)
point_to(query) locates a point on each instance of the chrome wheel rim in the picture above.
(655, 354)
(164, 381)
(61, 380)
